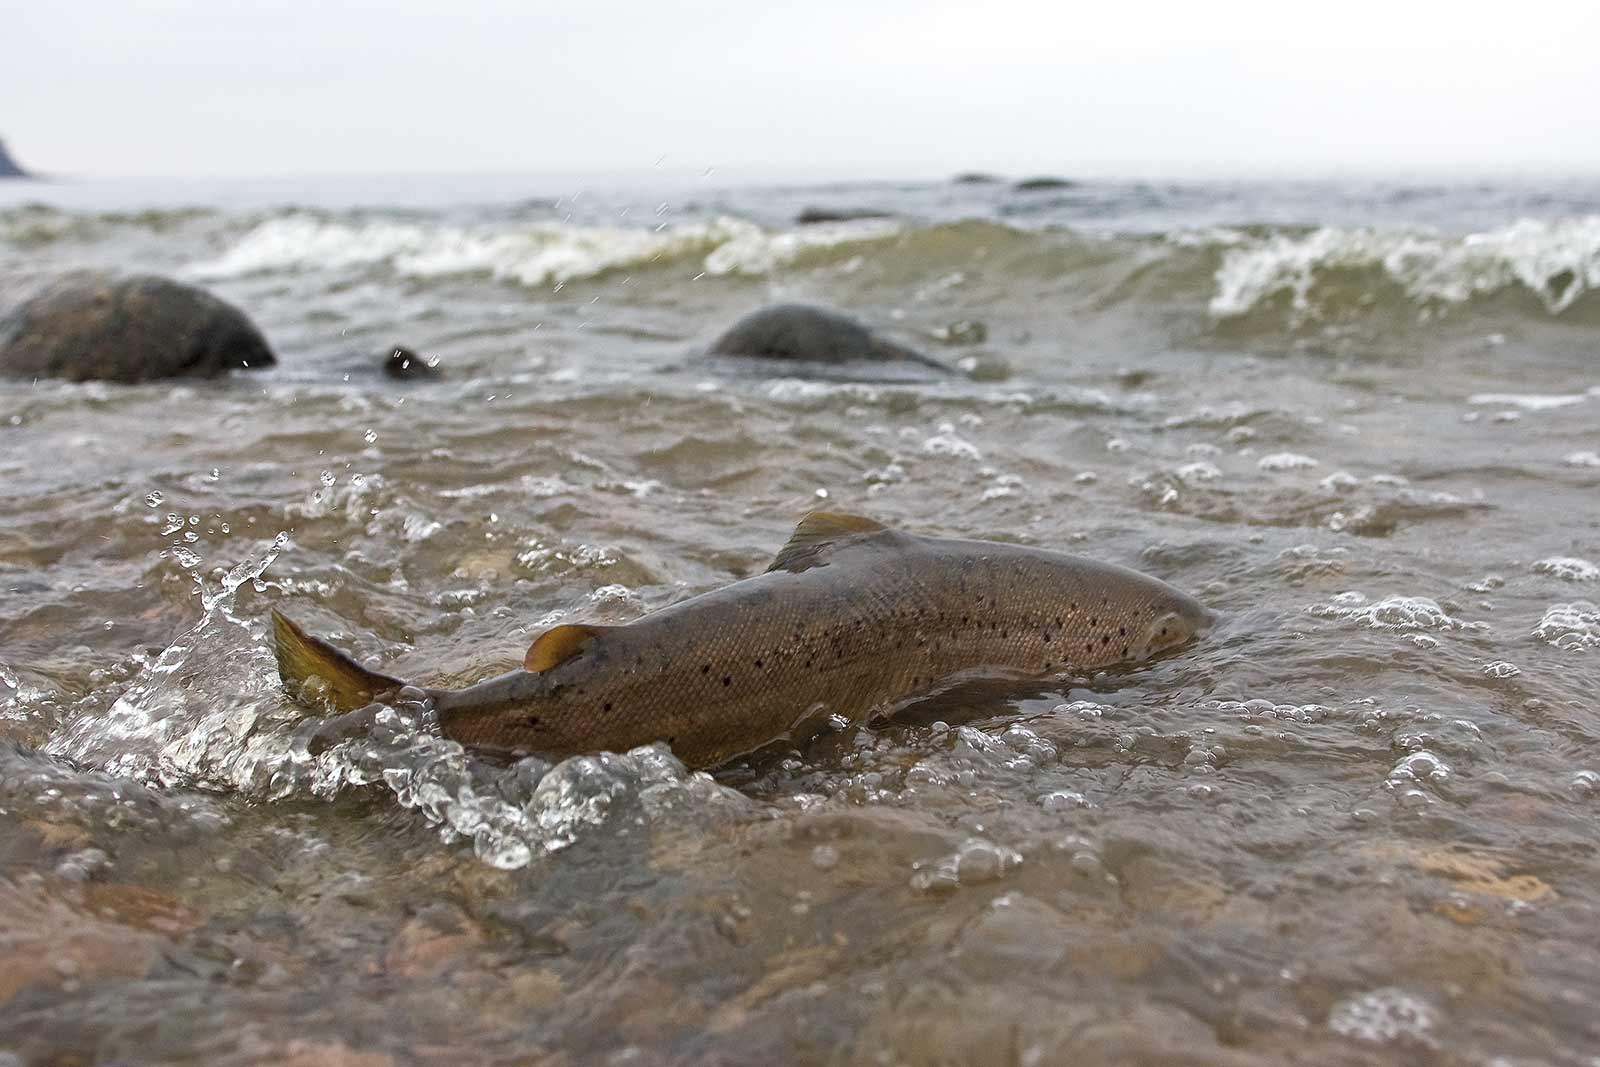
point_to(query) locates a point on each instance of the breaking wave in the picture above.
(530, 254)
(1237, 280)
(1557, 261)
(1230, 274)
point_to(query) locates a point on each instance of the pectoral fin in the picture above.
(559, 644)
(817, 532)
(311, 668)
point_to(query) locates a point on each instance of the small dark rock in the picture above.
(813, 215)
(802, 332)
(1033, 185)
(975, 177)
(97, 327)
(404, 365)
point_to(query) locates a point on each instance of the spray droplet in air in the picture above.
(371, 436)
(153, 500)
(326, 478)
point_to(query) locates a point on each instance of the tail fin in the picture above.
(313, 669)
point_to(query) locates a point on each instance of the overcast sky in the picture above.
(890, 88)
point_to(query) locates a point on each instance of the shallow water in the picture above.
(1356, 824)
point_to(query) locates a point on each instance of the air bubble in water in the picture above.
(1383, 1016)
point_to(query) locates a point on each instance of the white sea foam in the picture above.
(530, 254)
(1385, 1016)
(1574, 627)
(1557, 260)
(1285, 461)
(1568, 568)
(1393, 613)
(1527, 401)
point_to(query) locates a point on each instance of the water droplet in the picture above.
(154, 499)
(326, 478)
(370, 436)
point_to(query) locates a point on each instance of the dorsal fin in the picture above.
(817, 531)
(557, 645)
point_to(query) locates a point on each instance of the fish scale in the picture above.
(853, 619)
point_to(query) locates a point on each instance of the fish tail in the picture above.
(312, 669)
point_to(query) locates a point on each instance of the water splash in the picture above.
(184, 717)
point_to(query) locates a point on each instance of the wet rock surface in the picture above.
(803, 333)
(811, 216)
(404, 365)
(100, 327)
(1043, 184)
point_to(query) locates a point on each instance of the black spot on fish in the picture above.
(1122, 631)
(705, 668)
(727, 679)
(758, 665)
(1124, 650)
(1058, 622)
(608, 705)
(533, 720)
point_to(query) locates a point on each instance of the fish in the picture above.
(853, 618)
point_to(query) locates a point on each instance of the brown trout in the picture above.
(852, 619)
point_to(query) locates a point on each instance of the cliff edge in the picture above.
(8, 166)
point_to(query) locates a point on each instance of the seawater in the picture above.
(1355, 824)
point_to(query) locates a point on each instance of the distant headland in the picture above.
(8, 166)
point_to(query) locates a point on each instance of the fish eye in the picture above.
(1163, 632)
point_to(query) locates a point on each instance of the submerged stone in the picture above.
(99, 327)
(805, 333)
(1033, 185)
(812, 215)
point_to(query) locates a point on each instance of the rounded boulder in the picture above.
(95, 327)
(804, 333)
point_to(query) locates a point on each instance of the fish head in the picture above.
(1175, 619)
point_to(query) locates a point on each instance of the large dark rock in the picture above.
(803, 333)
(8, 166)
(96, 327)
